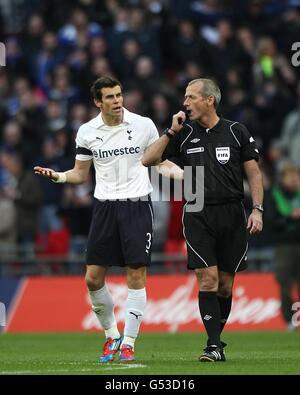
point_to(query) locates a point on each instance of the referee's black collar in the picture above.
(219, 126)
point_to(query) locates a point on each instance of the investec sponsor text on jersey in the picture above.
(115, 152)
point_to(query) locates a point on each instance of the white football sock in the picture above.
(136, 303)
(103, 306)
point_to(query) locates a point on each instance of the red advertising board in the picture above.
(62, 304)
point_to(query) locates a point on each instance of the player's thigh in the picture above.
(104, 245)
(136, 232)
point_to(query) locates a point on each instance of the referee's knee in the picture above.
(225, 290)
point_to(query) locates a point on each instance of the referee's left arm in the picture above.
(254, 176)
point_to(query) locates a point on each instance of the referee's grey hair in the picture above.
(210, 88)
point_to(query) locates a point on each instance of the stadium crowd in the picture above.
(55, 50)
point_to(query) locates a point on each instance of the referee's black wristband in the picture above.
(168, 134)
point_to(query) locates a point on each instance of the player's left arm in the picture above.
(254, 176)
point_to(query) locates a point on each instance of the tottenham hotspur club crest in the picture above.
(129, 134)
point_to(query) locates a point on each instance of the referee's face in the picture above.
(111, 104)
(195, 103)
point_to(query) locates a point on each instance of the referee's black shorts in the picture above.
(121, 233)
(217, 236)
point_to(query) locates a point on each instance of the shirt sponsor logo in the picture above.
(195, 150)
(223, 154)
(101, 154)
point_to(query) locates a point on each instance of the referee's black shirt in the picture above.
(221, 150)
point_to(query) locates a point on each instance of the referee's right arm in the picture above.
(153, 154)
(77, 175)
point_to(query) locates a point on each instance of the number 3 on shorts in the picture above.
(148, 245)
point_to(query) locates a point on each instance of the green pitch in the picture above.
(161, 353)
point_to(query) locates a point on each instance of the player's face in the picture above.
(111, 103)
(196, 104)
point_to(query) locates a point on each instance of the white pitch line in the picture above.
(131, 366)
(112, 367)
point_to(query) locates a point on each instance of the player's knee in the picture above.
(136, 278)
(93, 283)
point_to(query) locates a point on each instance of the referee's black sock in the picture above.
(210, 313)
(225, 308)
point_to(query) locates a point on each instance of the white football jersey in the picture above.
(117, 152)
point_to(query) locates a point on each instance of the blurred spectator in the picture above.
(8, 223)
(62, 88)
(56, 119)
(32, 39)
(49, 219)
(77, 204)
(24, 189)
(283, 217)
(32, 120)
(15, 62)
(289, 141)
(161, 111)
(79, 30)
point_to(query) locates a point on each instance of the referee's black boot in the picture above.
(223, 344)
(212, 354)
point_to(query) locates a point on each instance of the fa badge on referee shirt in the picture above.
(223, 154)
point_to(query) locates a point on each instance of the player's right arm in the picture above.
(77, 175)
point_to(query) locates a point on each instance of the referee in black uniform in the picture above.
(216, 236)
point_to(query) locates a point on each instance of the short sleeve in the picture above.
(249, 149)
(153, 132)
(82, 150)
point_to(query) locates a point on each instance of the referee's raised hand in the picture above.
(45, 172)
(177, 121)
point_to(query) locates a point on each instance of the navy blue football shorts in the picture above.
(217, 236)
(121, 233)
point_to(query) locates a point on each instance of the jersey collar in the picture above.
(217, 128)
(98, 122)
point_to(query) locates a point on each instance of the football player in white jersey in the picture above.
(121, 229)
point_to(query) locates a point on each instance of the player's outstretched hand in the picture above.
(45, 172)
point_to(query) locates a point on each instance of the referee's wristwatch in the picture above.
(168, 133)
(258, 207)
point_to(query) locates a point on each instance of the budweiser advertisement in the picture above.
(62, 304)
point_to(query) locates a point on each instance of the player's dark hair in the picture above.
(103, 82)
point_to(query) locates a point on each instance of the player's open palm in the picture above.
(45, 172)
